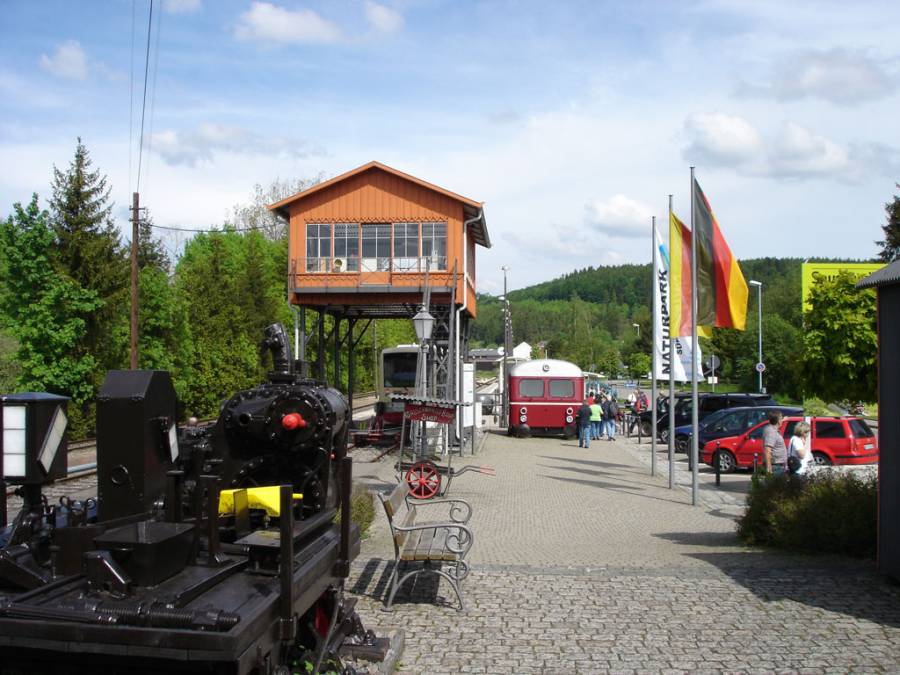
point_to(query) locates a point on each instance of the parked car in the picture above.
(729, 422)
(834, 441)
(487, 399)
(709, 403)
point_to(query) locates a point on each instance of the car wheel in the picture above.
(682, 443)
(727, 463)
(664, 436)
(821, 459)
(646, 428)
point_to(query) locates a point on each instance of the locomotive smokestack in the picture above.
(276, 341)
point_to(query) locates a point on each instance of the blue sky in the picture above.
(572, 121)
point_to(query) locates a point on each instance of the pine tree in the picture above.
(890, 245)
(90, 254)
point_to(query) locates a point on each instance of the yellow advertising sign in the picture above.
(810, 272)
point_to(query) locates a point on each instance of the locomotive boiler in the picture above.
(209, 547)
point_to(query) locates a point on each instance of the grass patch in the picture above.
(827, 512)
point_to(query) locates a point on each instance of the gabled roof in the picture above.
(886, 276)
(471, 208)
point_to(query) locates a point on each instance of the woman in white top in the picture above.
(800, 447)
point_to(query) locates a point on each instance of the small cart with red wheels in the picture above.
(422, 472)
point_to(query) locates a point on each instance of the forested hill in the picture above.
(630, 284)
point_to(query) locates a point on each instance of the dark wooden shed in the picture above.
(886, 281)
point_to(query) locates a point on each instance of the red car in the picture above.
(834, 440)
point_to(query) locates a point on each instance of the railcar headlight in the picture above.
(522, 418)
(523, 410)
(568, 419)
(569, 412)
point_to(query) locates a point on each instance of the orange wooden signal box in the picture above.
(359, 244)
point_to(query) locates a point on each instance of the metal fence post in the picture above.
(718, 468)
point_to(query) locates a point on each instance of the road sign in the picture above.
(712, 380)
(712, 362)
(760, 367)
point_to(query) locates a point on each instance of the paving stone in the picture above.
(583, 563)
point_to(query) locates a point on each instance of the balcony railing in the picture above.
(338, 265)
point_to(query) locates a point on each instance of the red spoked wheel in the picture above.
(423, 480)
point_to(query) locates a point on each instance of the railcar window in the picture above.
(406, 247)
(531, 388)
(400, 370)
(318, 247)
(346, 245)
(562, 389)
(434, 244)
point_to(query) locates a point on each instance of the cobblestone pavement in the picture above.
(583, 563)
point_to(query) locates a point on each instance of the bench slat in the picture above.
(413, 539)
(393, 502)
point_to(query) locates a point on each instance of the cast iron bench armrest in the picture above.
(456, 506)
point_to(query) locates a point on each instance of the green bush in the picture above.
(362, 509)
(827, 512)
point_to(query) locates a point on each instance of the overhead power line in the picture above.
(144, 104)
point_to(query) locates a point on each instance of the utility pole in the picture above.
(135, 233)
(507, 325)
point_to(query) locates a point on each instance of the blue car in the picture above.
(728, 422)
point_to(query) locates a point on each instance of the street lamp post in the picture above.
(759, 366)
(638, 326)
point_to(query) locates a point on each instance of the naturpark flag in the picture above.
(721, 287)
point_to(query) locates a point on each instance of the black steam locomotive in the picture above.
(209, 548)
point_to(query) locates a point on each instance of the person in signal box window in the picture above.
(773, 445)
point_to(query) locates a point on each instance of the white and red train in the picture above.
(544, 396)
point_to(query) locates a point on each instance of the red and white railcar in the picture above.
(544, 396)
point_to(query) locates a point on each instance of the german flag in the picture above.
(721, 287)
(679, 278)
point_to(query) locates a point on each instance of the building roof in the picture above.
(472, 210)
(886, 276)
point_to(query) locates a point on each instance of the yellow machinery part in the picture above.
(266, 497)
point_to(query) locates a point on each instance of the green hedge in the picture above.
(827, 512)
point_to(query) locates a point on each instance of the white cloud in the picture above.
(720, 139)
(837, 75)
(798, 152)
(68, 62)
(265, 22)
(555, 242)
(619, 217)
(200, 145)
(383, 19)
(182, 6)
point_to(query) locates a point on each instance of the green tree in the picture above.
(841, 344)
(890, 245)
(639, 364)
(48, 313)
(90, 254)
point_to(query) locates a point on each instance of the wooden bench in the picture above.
(443, 542)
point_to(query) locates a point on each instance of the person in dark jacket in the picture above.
(584, 425)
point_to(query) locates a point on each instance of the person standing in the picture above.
(800, 449)
(773, 445)
(596, 420)
(584, 425)
(610, 411)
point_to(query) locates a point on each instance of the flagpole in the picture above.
(695, 475)
(653, 392)
(671, 368)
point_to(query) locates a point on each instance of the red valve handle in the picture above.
(293, 421)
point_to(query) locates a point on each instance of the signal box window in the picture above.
(531, 388)
(346, 246)
(376, 247)
(318, 247)
(828, 429)
(562, 389)
(406, 247)
(434, 245)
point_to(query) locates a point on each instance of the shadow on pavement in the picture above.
(421, 589)
(617, 487)
(592, 462)
(834, 584)
(594, 472)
